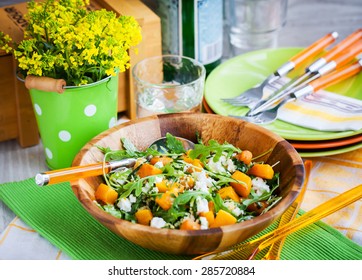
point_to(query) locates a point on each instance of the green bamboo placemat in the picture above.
(55, 213)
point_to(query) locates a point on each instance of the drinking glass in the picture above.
(168, 84)
(255, 24)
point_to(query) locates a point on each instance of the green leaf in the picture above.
(185, 197)
(168, 170)
(172, 215)
(174, 145)
(219, 204)
(213, 148)
(138, 188)
(130, 148)
(129, 189)
(113, 211)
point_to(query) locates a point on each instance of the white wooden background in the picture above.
(307, 20)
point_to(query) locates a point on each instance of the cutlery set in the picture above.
(335, 65)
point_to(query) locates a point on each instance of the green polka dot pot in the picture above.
(67, 121)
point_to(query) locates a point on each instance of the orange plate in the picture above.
(327, 143)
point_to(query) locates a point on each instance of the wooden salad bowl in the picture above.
(143, 132)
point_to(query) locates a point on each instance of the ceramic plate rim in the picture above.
(330, 152)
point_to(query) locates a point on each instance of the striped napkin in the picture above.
(323, 110)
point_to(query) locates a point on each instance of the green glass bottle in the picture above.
(192, 28)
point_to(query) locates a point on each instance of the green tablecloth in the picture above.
(55, 213)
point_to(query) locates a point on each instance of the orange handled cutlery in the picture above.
(340, 61)
(253, 95)
(77, 172)
(339, 55)
(271, 112)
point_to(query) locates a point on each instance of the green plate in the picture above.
(245, 71)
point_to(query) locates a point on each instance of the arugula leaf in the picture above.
(213, 148)
(255, 198)
(219, 204)
(113, 155)
(168, 170)
(172, 215)
(129, 187)
(241, 166)
(137, 184)
(222, 179)
(104, 150)
(119, 178)
(153, 152)
(138, 188)
(185, 197)
(129, 217)
(198, 137)
(130, 148)
(174, 145)
(113, 211)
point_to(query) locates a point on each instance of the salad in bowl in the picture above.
(237, 179)
(209, 186)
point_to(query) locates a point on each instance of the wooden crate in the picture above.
(17, 119)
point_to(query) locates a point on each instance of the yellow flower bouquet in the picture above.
(69, 59)
(65, 40)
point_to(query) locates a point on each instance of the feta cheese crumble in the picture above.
(125, 204)
(159, 164)
(202, 205)
(204, 223)
(202, 182)
(222, 164)
(232, 206)
(259, 186)
(157, 222)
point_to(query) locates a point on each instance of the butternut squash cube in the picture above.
(148, 170)
(144, 216)
(229, 193)
(223, 218)
(243, 187)
(106, 194)
(262, 170)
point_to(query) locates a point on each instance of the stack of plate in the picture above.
(243, 72)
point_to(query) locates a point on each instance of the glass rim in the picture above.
(162, 86)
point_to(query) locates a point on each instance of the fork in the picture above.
(340, 55)
(350, 43)
(339, 59)
(256, 93)
(257, 245)
(268, 116)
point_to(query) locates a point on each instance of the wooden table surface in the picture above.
(307, 21)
